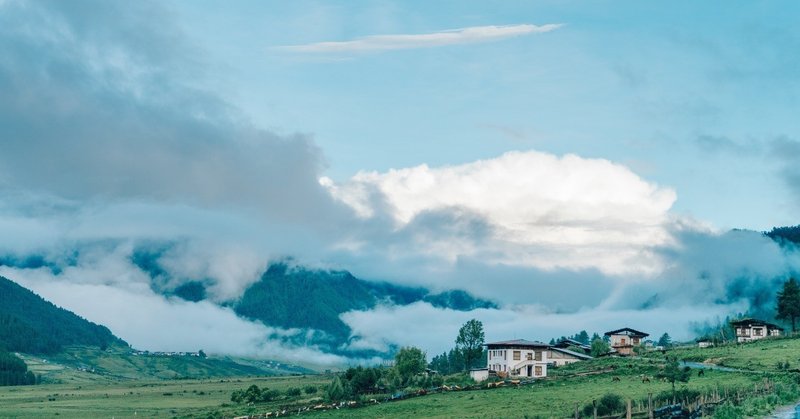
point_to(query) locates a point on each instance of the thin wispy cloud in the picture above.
(376, 43)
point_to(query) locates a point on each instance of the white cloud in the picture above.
(540, 210)
(151, 322)
(376, 43)
(391, 325)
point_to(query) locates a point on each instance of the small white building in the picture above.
(559, 356)
(748, 330)
(704, 343)
(479, 374)
(518, 358)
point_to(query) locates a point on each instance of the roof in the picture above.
(568, 352)
(755, 322)
(518, 342)
(627, 331)
(563, 343)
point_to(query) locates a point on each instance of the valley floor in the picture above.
(81, 394)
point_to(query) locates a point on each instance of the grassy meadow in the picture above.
(79, 394)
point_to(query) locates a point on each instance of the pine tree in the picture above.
(789, 302)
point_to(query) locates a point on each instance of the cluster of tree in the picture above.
(468, 352)
(14, 372)
(28, 323)
(254, 394)
(785, 235)
(582, 337)
(408, 371)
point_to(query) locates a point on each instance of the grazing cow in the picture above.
(701, 373)
(615, 379)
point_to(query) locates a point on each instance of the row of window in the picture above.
(516, 355)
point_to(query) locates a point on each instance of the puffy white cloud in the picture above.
(541, 210)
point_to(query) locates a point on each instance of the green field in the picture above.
(128, 399)
(84, 394)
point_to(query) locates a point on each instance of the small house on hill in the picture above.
(753, 329)
(574, 344)
(560, 356)
(623, 340)
(704, 343)
(518, 358)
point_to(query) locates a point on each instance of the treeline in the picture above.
(467, 354)
(29, 323)
(784, 235)
(14, 372)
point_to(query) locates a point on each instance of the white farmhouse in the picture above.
(518, 358)
(753, 329)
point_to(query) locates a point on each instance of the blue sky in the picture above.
(517, 150)
(689, 95)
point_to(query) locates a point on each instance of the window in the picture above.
(758, 332)
(529, 356)
(538, 356)
(622, 341)
(537, 371)
(635, 341)
(517, 355)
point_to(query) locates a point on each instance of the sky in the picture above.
(568, 160)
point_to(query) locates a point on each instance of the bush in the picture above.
(310, 389)
(293, 392)
(608, 404)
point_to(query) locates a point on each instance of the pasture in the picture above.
(81, 394)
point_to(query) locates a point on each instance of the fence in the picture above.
(684, 407)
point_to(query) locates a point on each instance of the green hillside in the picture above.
(301, 298)
(91, 364)
(28, 323)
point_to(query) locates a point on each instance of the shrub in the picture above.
(310, 389)
(293, 392)
(608, 404)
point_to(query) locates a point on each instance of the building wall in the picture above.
(505, 359)
(479, 375)
(560, 358)
(747, 334)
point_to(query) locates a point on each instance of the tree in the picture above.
(582, 337)
(409, 362)
(335, 390)
(470, 342)
(673, 372)
(789, 302)
(665, 341)
(599, 347)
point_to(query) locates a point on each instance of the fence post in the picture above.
(628, 414)
(576, 410)
(594, 407)
(650, 405)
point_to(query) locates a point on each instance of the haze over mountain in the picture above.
(525, 165)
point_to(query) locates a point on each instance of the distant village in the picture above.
(199, 354)
(522, 358)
